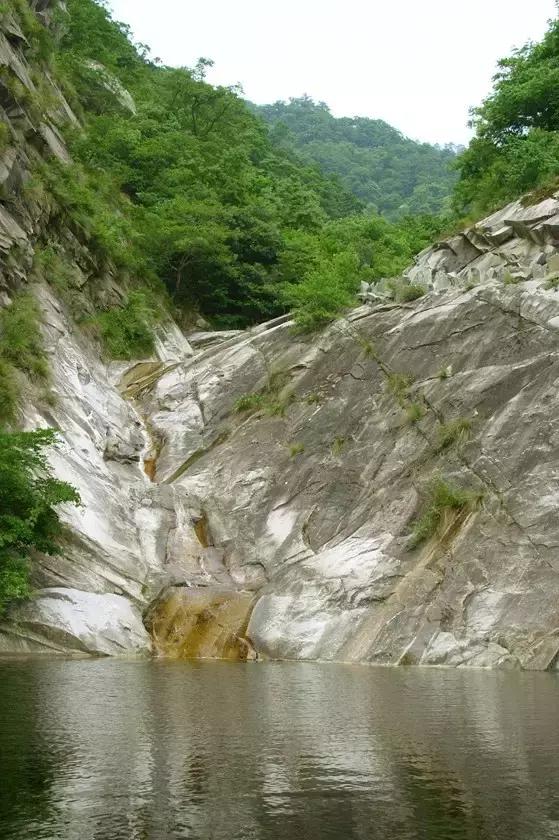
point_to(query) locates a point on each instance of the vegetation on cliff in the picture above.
(29, 495)
(190, 194)
(22, 356)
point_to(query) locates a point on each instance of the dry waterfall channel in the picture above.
(283, 531)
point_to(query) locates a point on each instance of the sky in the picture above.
(418, 64)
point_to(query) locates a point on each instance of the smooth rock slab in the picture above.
(71, 621)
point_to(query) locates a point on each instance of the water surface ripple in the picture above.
(113, 750)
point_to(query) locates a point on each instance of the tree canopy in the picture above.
(188, 187)
(516, 145)
(390, 173)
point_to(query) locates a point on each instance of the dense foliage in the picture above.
(184, 185)
(206, 201)
(390, 173)
(184, 188)
(516, 146)
(322, 273)
(29, 495)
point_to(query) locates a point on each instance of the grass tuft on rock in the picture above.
(21, 353)
(443, 498)
(454, 432)
(405, 292)
(552, 281)
(510, 279)
(296, 449)
(271, 400)
(415, 411)
(399, 384)
(338, 446)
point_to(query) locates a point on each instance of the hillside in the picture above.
(369, 483)
(181, 185)
(388, 172)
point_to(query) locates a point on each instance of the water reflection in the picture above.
(220, 751)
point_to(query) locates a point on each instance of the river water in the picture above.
(104, 750)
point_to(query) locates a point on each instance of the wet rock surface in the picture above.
(61, 620)
(201, 623)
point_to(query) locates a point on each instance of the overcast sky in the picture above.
(418, 64)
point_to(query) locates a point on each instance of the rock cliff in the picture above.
(383, 492)
(255, 496)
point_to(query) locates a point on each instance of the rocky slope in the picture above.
(283, 530)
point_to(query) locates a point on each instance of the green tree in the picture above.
(516, 147)
(29, 495)
(324, 271)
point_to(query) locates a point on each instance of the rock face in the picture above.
(286, 530)
(515, 244)
(283, 529)
(312, 510)
(127, 540)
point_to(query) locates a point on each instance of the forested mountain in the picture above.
(206, 201)
(389, 172)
